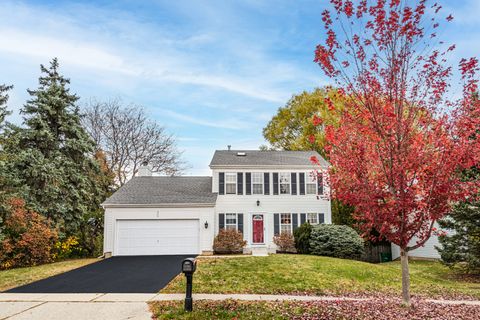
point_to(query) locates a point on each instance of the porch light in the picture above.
(258, 203)
(206, 224)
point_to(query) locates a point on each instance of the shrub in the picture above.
(27, 238)
(285, 242)
(68, 248)
(336, 241)
(229, 241)
(302, 238)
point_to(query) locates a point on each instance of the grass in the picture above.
(19, 276)
(381, 309)
(305, 274)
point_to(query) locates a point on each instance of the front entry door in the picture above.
(257, 221)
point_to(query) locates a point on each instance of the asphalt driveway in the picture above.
(136, 274)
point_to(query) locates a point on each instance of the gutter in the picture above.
(158, 205)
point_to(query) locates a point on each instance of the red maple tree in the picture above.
(401, 145)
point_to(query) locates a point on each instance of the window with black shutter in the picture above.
(239, 182)
(266, 183)
(221, 183)
(275, 183)
(248, 183)
(276, 224)
(221, 221)
(320, 183)
(301, 177)
(294, 182)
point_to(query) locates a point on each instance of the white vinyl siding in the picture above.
(286, 222)
(231, 221)
(284, 179)
(257, 182)
(230, 183)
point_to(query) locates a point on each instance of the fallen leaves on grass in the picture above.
(386, 309)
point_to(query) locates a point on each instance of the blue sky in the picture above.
(212, 72)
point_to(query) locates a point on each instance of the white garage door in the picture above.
(156, 237)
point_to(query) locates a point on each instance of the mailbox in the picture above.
(189, 265)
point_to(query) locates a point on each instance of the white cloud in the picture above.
(233, 123)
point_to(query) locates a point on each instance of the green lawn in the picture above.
(305, 274)
(19, 276)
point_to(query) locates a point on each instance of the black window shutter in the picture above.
(276, 224)
(303, 218)
(240, 222)
(248, 183)
(293, 176)
(221, 221)
(275, 183)
(221, 183)
(321, 218)
(239, 182)
(320, 183)
(302, 183)
(266, 183)
(294, 221)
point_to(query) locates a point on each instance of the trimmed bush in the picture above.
(229, 241)
(336, 241)
(302, 238)
(28, 239)
(285, 243)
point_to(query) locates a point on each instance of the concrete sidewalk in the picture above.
(148, 297)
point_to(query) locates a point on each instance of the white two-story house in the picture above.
(260, 193)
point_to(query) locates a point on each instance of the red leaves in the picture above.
(449, 18)
(317, 121)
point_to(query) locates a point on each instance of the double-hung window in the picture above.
(230, 183)
(231, 221)
(284, 178)
(286, 222)
(257, 182)
(312, 218)
(311, 183)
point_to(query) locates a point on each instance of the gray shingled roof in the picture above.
(157, 190)
(265, 158)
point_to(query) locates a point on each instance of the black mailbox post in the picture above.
(189, 265)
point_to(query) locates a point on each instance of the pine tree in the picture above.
(4, 112)
(462, 246)
(6, 179)
(55, 154)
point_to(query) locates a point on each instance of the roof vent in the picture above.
(229, 147)
(241, 154)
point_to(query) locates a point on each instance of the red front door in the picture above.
(257, 221)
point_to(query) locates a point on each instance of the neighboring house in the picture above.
(427, 251)
(260, 193)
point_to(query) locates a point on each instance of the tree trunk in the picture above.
(405, 277)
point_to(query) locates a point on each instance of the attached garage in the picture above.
(152, 215)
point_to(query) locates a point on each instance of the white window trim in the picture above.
(261, 183)
(286, 224)
(231, 224)
(226, 183)
(316, 216)
(308, 180)
(288, 175)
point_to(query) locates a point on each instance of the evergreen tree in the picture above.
(6, 179)
(4, 112)
(462, 246)
(55, 154)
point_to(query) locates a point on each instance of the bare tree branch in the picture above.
(129, 138)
